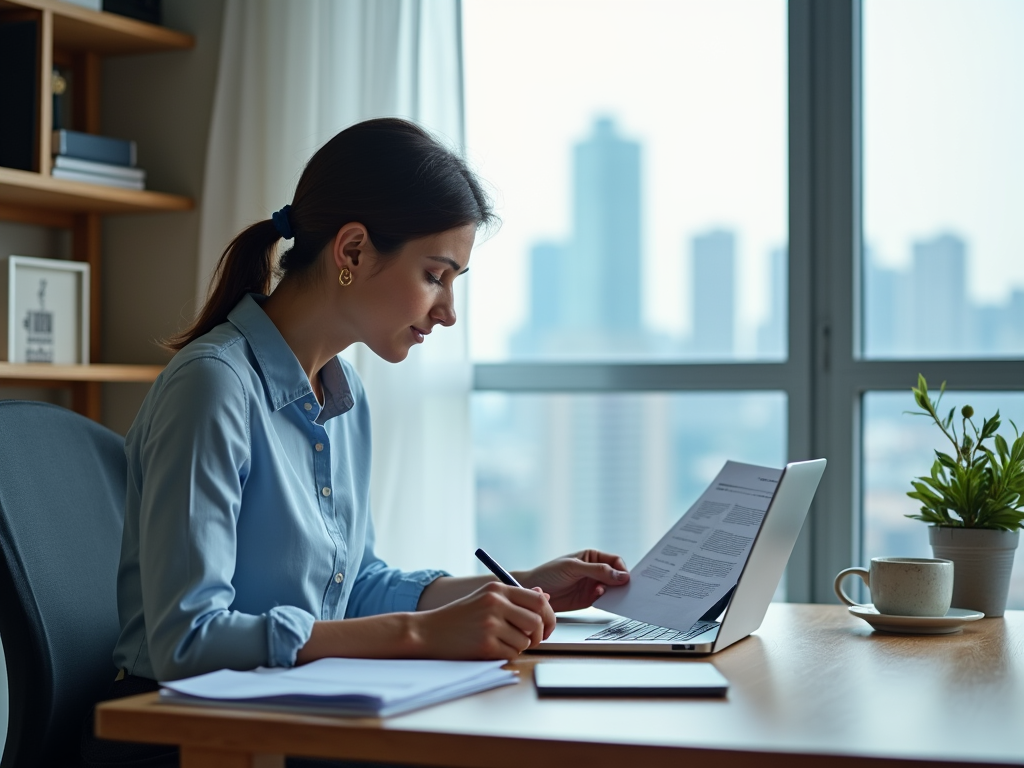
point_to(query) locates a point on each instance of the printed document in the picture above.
(702, 556)
(360, 687)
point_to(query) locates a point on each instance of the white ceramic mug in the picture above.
(904, 586)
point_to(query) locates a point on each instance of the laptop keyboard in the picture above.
(628, 629)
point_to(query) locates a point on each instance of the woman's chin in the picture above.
(392, 354)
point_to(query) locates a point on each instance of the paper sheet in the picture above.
(702, 555)
(344, 686)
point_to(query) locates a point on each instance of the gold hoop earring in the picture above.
(345, 278)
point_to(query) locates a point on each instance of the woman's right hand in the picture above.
(494, 622)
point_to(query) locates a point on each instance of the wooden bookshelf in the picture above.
(77, 37)
(42, 374)
(80, 29)
(28, 189)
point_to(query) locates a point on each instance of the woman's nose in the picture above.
(445, 315)
(444, 312)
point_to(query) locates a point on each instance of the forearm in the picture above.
(448, 589)
(388, 636)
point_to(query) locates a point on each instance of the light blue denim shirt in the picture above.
(247, 515)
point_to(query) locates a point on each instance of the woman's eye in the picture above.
(432, 278)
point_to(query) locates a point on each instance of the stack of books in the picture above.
(96, 160)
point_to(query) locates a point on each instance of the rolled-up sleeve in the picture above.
(195, 459)
(382, 589)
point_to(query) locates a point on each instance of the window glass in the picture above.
(943, 105)
(638, 151)
(557, 473)
(897, 447)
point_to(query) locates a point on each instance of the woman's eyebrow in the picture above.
(450, 262)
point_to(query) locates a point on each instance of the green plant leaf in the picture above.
(1001, 446)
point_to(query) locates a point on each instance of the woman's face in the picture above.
(397, 302)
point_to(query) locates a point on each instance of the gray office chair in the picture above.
(62, 489)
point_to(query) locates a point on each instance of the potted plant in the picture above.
(974, 501)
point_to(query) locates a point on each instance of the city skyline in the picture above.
(604, 468)
(925, 311)
(612, 470)
(584, 292)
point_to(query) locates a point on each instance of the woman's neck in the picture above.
(302, 313)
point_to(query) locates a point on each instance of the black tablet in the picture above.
(629, 678)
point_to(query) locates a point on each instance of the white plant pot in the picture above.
(982, 562)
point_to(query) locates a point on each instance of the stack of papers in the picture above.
(358, 687)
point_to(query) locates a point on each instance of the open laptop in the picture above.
(744, 606)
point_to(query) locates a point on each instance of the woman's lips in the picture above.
(418, 334)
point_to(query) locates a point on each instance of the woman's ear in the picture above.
(351, 247)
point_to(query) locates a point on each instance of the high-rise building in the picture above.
(771, 335)
(546, 309)
(939, 282)
(585, 294)
(887, 316)
(1014, 325)
(714, 290)
(585, 300)
(602, 292)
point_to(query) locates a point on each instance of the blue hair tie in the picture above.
(283, 224)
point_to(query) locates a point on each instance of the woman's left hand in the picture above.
(576, 581)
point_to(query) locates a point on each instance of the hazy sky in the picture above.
(702, 86)
(944, 132)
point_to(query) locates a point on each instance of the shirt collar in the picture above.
(283, 377)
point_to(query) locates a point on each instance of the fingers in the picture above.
(603, 573)
(530, 625)
(536, 601)
(516, 618)
(614, 561)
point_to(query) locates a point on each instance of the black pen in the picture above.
(503, 576)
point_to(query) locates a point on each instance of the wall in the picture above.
(164, 102)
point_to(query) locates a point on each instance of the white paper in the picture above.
(344, 686)
(701, 557)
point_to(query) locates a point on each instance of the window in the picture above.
(943, 277)
(639, 154)
(770, 215)
(943, 179)
(556, 472)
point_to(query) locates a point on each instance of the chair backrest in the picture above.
(62, 490)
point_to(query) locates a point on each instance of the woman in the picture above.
(248, 539)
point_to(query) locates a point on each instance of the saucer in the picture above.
(953, 621)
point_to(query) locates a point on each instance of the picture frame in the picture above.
(44, 311)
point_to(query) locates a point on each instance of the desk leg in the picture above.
(197, 757)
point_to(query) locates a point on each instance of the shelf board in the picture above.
(80, 29)
(94, 372)
(26, 189)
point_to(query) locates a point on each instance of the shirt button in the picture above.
(326, 491)
(308, 406)
(319, 447)
(338, 577)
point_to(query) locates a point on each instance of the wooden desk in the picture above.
(814, 684)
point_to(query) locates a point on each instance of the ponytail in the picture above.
(388, 174)
(246, 266)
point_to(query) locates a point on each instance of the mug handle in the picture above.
(838, 586)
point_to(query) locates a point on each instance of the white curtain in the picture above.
(291, 76)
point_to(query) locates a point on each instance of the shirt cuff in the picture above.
(288, 629)
(407, 596)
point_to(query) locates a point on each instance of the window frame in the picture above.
(824, 375)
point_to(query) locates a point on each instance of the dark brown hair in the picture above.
(389, 175)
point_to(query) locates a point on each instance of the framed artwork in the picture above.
(45, 310)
